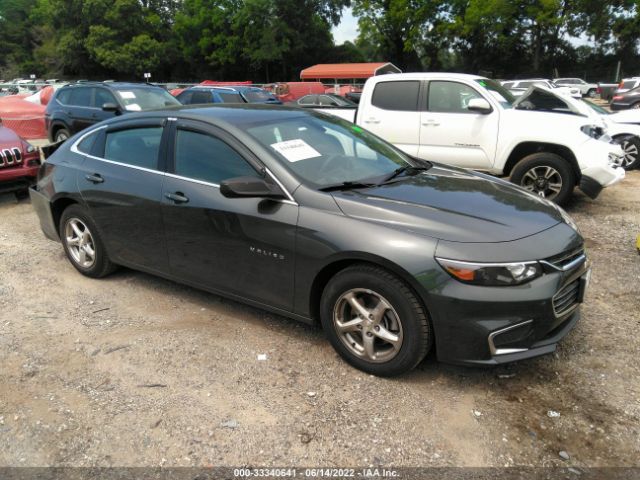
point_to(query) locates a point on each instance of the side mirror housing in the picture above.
(250, 187)
(479, 105)
(111, 107)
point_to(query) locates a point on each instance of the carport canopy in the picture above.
(347, 70)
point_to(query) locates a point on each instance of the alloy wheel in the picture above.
(61, 136)
(542, 180)
(80, 243)
(368, 325)
(630, 153)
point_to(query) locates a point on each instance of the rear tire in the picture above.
(631, 146)
(82, 243)
(375, 321)
(545, 174)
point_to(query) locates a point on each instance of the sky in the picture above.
(347, 30)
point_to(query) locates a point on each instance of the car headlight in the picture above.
(491, 274)
(593, 131)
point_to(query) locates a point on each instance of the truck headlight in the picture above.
(593, 131)
(491, 274)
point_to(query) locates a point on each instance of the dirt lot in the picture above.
(133, 370)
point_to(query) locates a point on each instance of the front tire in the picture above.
(592, 93)
(375, 321)
(82, 243)
(61, 135)
(545, 174)
(630, 144)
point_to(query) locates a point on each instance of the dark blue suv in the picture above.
(229, 94)
(77, 106)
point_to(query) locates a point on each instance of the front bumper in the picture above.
(598, 162)
(479, 325)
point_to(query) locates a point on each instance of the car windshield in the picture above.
(137, 99)
(497, 91)
(258, 96)
(328, 151)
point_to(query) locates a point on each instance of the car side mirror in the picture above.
(479, 105)
(111, 107)
(248, 187)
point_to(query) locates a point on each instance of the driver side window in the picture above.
(450, 97)
(200, 156)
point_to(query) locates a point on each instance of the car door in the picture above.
(121, 183)
(242, 246)
(394, 114)
(451, 133)
(80, 109)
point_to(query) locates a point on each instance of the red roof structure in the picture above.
(347, 70)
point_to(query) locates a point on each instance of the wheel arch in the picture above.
(58, 206)
(527, 148)
(347, 259)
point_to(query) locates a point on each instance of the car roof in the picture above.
(112, 85)
(424, 76)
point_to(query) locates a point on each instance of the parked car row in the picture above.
(258, 202)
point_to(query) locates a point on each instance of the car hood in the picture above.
(540, 93)
(9, 138)
(452, 204)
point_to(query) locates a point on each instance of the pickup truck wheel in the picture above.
(375, 321)
(545, 174)
(631, 147)
(82, 243)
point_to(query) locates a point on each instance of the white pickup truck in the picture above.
(473, 122)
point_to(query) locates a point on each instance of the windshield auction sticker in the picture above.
(295, 150)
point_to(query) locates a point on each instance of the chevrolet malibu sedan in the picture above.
(316, 219)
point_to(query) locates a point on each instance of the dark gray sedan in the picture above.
(314, 218)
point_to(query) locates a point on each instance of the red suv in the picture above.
(19, 162)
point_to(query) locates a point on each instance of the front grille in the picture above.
(565, 259)
(567, 298)
(10, 157)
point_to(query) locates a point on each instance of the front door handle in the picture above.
(430, 123)
(177, 197)
(372, 120)
(94, 178)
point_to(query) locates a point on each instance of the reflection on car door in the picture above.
(394, 114)
(122, 186)
(242, 246)
(453, 134)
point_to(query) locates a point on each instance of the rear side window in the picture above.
(203, 157)
(185, 97)
(630, 84)
(308, 100)
(231, 97)
(201, 97)
(63, 96)
(136, 146)
(398, 96)
(80, 97)
(87, 142)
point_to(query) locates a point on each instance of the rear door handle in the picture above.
(95, 178)
(372, 120)
(177, 197)
(430, 123)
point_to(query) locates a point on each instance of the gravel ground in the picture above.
(134, 370)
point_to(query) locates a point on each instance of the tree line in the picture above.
(269, 40)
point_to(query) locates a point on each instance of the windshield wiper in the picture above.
(347, 186)
(406, 169)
